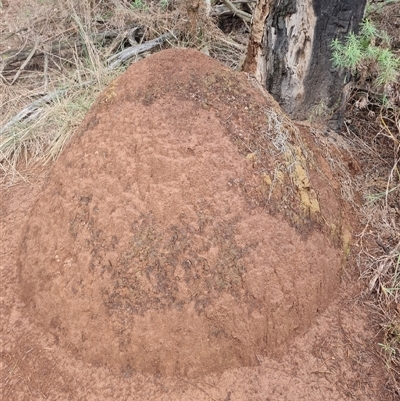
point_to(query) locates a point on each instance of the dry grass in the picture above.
(61, 81)
(54, 61)
(374, 133)
(375, 136)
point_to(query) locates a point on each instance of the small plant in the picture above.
(368, 54)
(139, 5)
(164, 4)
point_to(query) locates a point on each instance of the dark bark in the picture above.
(293, 57)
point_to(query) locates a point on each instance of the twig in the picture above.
(12, 34)
(246, 17)
(45, 71)
(25, 63)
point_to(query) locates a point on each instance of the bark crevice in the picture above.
(292, 55)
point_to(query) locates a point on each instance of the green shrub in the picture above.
(367, 54)
(139, 5)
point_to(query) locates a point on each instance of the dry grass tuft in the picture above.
(58, 80)
(375, 134)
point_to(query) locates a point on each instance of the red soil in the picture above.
(154, 264)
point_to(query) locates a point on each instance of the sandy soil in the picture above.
(147, 264)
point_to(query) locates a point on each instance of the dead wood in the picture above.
(133, 51)
(246, 17)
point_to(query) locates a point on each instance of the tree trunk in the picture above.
(290, 53)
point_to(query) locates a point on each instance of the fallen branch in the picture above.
(220, 10)
(246, 17)
(116, 60)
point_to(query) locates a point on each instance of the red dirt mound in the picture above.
(186, 229)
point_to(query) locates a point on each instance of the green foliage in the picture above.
(164, 4)
(367, 51)
(139, 5)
